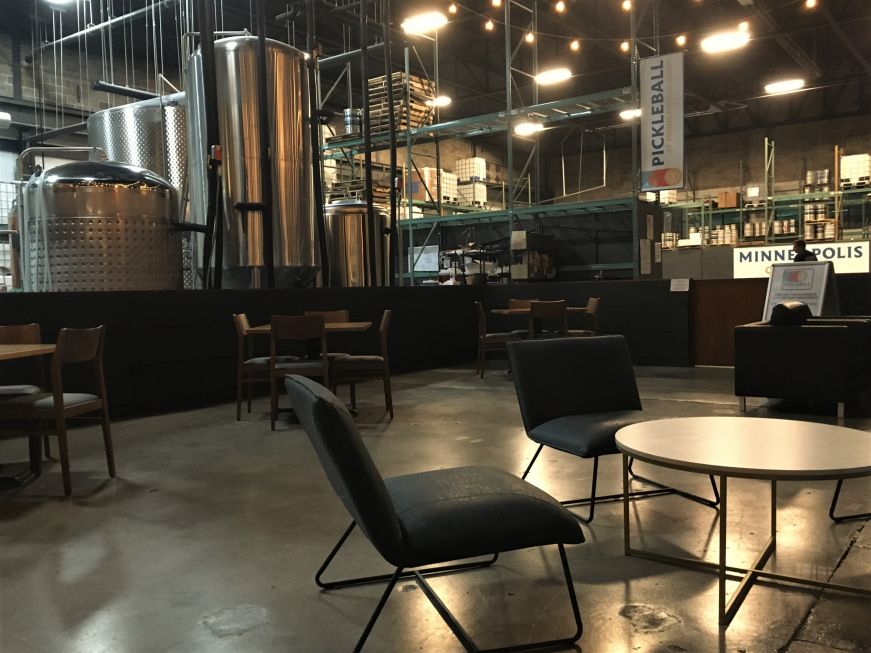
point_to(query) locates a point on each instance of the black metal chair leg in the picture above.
(532, 462)
(685, 495)
(662, 490)
(467, 642)
(589, 517)
(381, 578)
(842, 518)
(386, 595)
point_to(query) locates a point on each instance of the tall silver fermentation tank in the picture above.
(295, 250)
(100, 226)
(347, 235)
(150, 134)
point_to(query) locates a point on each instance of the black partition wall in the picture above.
(174, 350)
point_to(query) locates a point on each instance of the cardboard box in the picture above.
(727, 199)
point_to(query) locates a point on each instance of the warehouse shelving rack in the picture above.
(552, 113)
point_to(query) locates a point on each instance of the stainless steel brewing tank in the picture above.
(100, 226)
(151, 134)
(347, 235)
(293, 207)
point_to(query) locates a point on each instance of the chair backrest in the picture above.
(347, 463)
(592, 305)
(520, 303)
(20, 334)
(332, 316)
(297, 328)
(593, 313)
(549, 309)
(78, 346)
(572, 376)
(382, 332)
(482, 319)
(240, 321)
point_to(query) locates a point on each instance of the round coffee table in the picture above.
(744, 447)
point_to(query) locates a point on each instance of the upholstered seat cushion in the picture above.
(300, 367)
(464, 512)
(15, 390)
(45, 401)
(500, 337)
(585, 435)
(263, 361)
(358, 362)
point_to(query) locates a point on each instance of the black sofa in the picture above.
(797, 356)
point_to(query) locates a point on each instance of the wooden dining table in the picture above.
(12, 352)
(329, 327)
(18, 473)
(525, 311)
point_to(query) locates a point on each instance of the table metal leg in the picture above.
(752, 574)
(746, 577)
(724, 520)
(626, 547)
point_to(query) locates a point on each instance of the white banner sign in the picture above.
(752, 262)
(661, 86)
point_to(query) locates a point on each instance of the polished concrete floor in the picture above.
(209, 537)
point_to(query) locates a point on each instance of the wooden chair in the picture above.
(57, 406)
(548, 310)
(491, 341)
(520, 303)
(591, 319)
(25, 334)
(306, 329)
(250, 369)
(351, 369)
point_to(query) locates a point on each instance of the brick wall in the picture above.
(713, 162)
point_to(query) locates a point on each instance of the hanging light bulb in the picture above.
(627, 5)
(496, 3)
(624, 46)
(743, 26)
(453, 8)
(810, 4)
(424, 23)
(681, 40)
(528, 128)
(560, 6)
(530, 37)
(575, 45)
(488, 25)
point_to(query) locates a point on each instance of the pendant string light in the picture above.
(574, 43)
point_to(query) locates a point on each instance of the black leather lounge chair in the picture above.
(420, 522)
(575, 394)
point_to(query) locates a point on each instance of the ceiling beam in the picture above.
(845, 40)
(762, 12)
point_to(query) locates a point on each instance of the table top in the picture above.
(525, 311)
(10, 352)
(750, 447)
(329, 327)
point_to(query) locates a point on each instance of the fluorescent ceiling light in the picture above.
(630, 114)
(440, 101)
(60, 3)
(553, 76)
(527, 128)
(424, 23)
(784, 86)
(725, 41)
